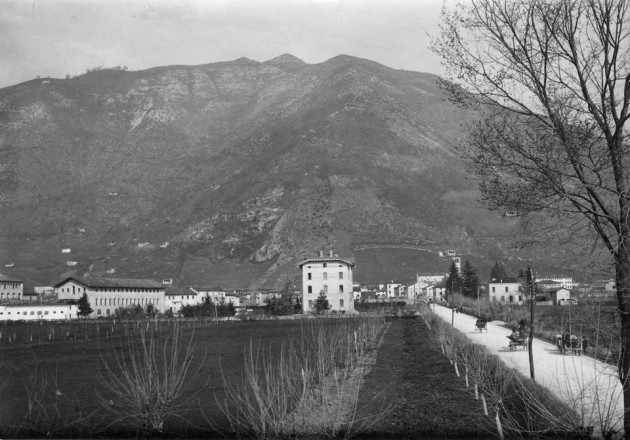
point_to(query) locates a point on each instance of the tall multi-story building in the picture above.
(332, 276)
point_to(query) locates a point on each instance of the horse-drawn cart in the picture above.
(481, 325)
(569, 344)
(516, 343)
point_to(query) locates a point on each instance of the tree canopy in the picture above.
(84, 306)
(498, 271)
(453, 280)
(469, 280)
(321, 303)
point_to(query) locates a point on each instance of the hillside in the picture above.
(242, 167)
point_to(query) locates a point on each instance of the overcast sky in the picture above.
(56, 37)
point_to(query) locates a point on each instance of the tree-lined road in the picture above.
(589, 386)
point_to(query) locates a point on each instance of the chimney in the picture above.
(330, 253)
(321, 254)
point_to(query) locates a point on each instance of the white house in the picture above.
(561, 296)
(435, 292)
(175, 299)
(214, 293)
(105, 295)
(10, 288)
(506, 290)
(393, 290)
(332, 276)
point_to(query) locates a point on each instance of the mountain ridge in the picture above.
(243, 167)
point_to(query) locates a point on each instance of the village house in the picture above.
(11, 288)
(505, 290)
(105, 295)
(214, 293)
(561, 297)
(435, 292)
(176, 298)
(332, 276)
(393, 289)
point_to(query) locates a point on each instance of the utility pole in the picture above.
(531, 324)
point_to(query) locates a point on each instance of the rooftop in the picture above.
(6, 279)
(114, 282)
(325, 260)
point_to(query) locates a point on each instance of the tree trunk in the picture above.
(531, 333)
(623, 298)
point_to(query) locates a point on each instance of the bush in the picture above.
(209, 308)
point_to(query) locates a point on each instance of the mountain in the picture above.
(238, 169)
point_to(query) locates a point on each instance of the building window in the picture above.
(506, 289)
(325, 276)
(39, 312)
(493, 289)
(310, 303)
(341, 275)
(46, 312)
(325, 265)
(310, 289)
(309, 276)
(341, 288)
(98, 311)
(325, 288)
(340, 303)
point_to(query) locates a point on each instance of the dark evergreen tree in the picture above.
(321, 303)
(469, 280)
(452, 281)
(151, 310)
(498, 271)
(84, 306)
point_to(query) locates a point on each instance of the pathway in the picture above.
(590, 386)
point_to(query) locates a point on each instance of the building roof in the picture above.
(178, 291)
(6, 279)
(326, 260)
(504, 281)
(206, 289)
(114, 282)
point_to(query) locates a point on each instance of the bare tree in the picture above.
(553, 81)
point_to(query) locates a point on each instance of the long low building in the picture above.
(105, 295)
(36, 312)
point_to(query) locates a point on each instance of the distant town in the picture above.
(324, 274)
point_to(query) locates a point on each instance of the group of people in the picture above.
(570, 340)
(518, 333)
